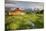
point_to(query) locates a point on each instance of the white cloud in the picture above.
(10, 5)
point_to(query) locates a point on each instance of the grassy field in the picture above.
(27, 21)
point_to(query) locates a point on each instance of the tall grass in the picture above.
(24, 21)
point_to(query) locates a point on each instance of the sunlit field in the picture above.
(27, 21)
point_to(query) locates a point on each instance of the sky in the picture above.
(24, 4)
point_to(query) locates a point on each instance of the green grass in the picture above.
(24, 21)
